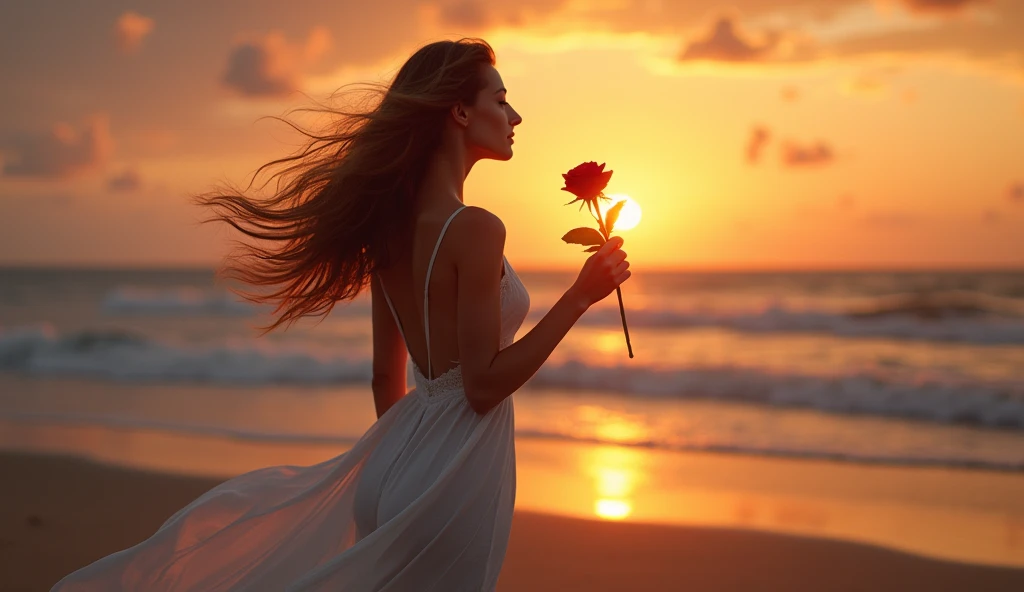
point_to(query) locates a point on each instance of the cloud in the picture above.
(251, 71)
(759, 136)
(475, 16)
(1016, 192)
(795, 32)
(986, 41)
(131, 28)
(62, 151)
(128, 180)
(795, 155)
(467, 13)
(272, 66)
(941, 6)
(724, 44)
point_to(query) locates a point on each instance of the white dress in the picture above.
(423, 501)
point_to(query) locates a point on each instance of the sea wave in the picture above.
(991, 404)
(195, 301)
(947, 316)
(124, 356)
(182, 300)
(951, 315)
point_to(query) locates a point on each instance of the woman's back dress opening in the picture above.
(423, 501)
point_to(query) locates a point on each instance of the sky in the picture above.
(754, 134)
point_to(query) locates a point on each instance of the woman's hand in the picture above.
(602, 272)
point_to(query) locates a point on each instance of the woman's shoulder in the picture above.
(478, 239)
(476, 223)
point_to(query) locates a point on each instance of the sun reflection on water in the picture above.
(615, 474)
(609, 425)
(610, 509)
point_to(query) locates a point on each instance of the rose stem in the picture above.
(618, 291)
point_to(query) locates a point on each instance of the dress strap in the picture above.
(426, 290)
(398, 321)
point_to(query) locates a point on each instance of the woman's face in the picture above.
(490, 121)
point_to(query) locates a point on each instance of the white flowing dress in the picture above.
(423, 501)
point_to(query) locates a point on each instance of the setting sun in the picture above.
(629, 216)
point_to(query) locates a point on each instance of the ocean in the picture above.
(903, 368)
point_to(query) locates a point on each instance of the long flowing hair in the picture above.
(349, 192)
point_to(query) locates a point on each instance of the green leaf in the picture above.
(613, 216)
(583, 236)
(592, 249)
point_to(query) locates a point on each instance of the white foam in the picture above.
(128, 357)
(995, 322)
(778, 319)
(119, 355)
(177, 300)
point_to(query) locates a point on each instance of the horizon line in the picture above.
(726, 268)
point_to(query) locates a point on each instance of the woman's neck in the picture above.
(445, 176)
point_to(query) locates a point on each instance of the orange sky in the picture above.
(755, 134)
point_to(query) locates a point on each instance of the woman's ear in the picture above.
(460, 114)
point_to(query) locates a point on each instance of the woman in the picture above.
(423, 501)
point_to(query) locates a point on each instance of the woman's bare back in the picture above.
(404, 284)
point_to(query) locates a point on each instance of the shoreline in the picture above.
(55, 421)
(947, 514)
(61, 512)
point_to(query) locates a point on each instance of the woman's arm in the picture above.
(511, 367)
(489, 373)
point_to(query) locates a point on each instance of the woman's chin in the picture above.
(499, 154)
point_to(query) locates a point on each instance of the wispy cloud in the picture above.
(942, 6)
(815, 154)
(477, 16)
(979, 36)
(759, 136)
(467, 13)
(273, 66)
(127, 180)
(61, 151)
(130, 29)
(724, 43)
(1016, 192)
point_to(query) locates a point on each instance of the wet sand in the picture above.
(60, 513)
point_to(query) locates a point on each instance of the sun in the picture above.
(629, 216)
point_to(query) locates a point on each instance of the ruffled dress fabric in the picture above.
(422, 502)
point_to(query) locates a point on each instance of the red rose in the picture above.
(586, 181)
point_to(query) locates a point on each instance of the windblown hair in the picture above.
(350, 191)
